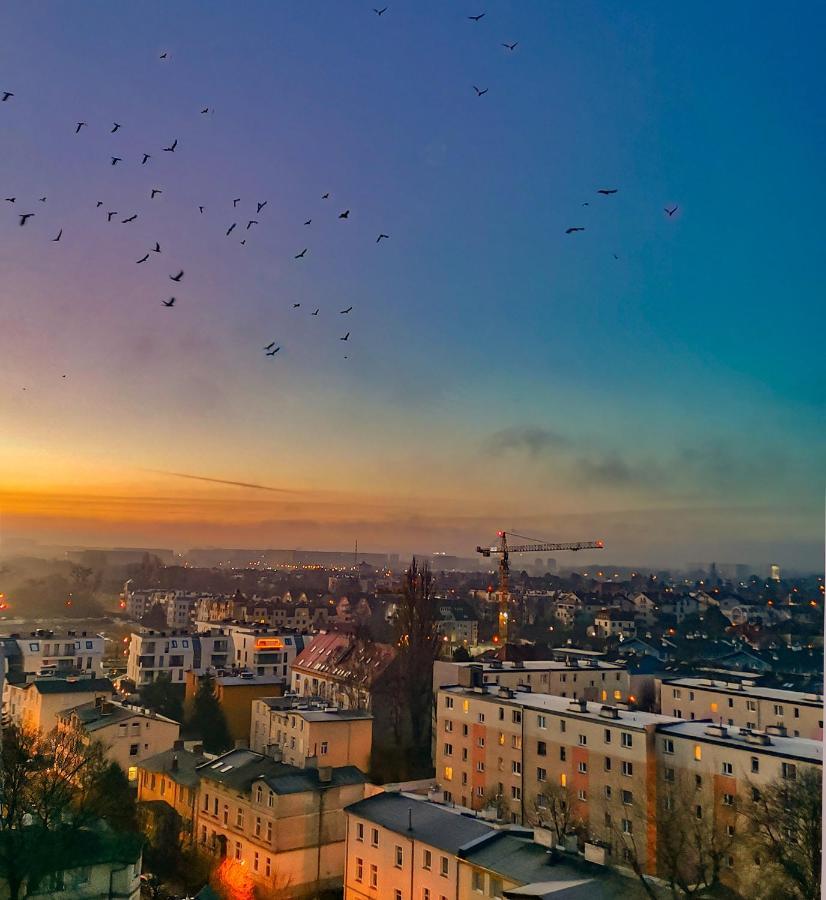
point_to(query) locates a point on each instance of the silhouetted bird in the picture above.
(345, 214)
(201, 209)
(59, 236)
(345, 311)
(251, 222)
(236, 202)
(10, 199)
(296, 305)
(155, 191)
(512, 46)
(109, 216)
(42, 199)
(586, 203)
(380, 12)
(382, 236)
(230, 229)
(25, 217)
(177, 277)
(204, 110)
(130, 219)
(607, 191)
(78, 127)
(115, 160)
(477, 18)
(671, 211)
(169, 302)
(300, 255)
(346, 337)
(157, 247)
(308, 222)
(480, 93)
(243, 242)
(143, 259)
(261, 205)
(6, 95)
(274, 351)
(314, 313)
(163, 55)
(572, 230)
(99, 204)
(325, 196)
(615, 256)
(171, 147)
(146, 156)
(114, 128)
(270, 346)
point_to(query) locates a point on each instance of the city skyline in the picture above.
(500, 373)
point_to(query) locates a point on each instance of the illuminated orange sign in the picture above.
(268, 644)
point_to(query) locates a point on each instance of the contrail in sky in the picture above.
(243, 484)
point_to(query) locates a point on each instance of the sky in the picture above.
(654, 381)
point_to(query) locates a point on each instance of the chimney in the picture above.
(174, 762)
(409, 818)
(325, 774)
(178, 745)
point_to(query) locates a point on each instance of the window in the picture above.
(541, 721)
(668, 745)
(448, 773)
(448, 725)
(627, 767)
(465, 706)
(448, 702)
(563, 754)
(374, 837)
(789, 770)
(258, 826)
(255, 859)
(676, 693)
(448, 751)
(324, 748)
(359, 869)
(728, 799)
(133, 749)
(259, 793)
(374, 875)
(481, 717)
(359, 831)
(778, 709)
(691, 696)
(516, 742)
(755, 764)
(271, 799)
(267, 866)
(731, 702)
(608, 791)
(496, 888)
(627, 826)
(425, 893)
(607, 737)
(728, 768)
(698, 811)
(563, 779)
(668, 775)
(541, 774)
(751, 705)
(477, 881)
(427, 859)
(627, 798)
(516, 767)
(541, 748)
(444, 866)
(238, 850)
(480, 742)
(501, 713)
(582, 796)
(618, 695)
(583, 740)
(627, 739)
(714, 707)
(239, 818)
(563, 725)
(583, 767)
(399, 857)
(397, 894)
(516, 716)
(516, 793)
(607, 765)
(698, 752)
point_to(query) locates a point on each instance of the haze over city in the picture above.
(654, 381)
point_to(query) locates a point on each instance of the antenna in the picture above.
(356, 555)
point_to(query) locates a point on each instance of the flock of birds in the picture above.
(273, 347)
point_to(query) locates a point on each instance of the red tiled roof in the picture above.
(333, 655)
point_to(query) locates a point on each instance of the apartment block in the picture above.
(292, 730)
(46, 652)
(170, 778)
(36, 702)
(153, 654)
(743, 704)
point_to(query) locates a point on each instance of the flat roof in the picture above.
(534, 665)
(559, 705)
(801, 698)
(787, 747)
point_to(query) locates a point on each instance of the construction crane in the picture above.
(504, 550)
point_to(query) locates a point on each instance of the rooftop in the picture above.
(186, 771)
(789, 747)
(438, 826)
(92, 716)
(747, 690)
(313, 713)
(69, 685)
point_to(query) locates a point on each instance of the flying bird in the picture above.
(346, 337)
(236, 202)
(6, 95)
(130, 219)
(201, 210)
(671, 211)
(273, 351)
(314, 313)
(380, 12)
(607, 191)
(205, 110)
(177, 277)
(325, 196)
(512, 46)
(480, 93)
(99, 204)
(296, 305)
(109, 216)
(345, 311)
(231, 227)
(300, 255)
(42, 199)
(251, 222)
(10, 199)
(270, 346)
(382, 236)
(615, 256)
(24, 218)
(157, 247)
(59, 236)
(114, 128)
(163, 55)
(171, 147)
(143, 259)
(345, 214)
(261, 205)
(477, 18)
(572, 230)
(146, 156)
(78, 127)
(155, 191)
(169, 302)
(243, 242)
(115, 160)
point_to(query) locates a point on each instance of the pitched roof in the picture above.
(336, 655)
(435, 825)
(71, 686)
(186, 772)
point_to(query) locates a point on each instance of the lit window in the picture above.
(714, 707)
(448, 773)
(698, 752)
(563, 780)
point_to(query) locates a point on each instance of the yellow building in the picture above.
(283, 825)
(36, 704)
(295, 729)
(171, 777)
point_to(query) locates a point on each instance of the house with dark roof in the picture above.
(35, 703)
(283, 824)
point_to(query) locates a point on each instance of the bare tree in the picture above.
(553, 807)
(786, 827)
(494, 799)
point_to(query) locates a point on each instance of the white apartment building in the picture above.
(54, 652)
(264, 650)
(173, 653)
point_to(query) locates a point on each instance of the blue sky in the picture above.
(500, 372)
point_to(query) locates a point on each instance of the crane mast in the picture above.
(504, 550)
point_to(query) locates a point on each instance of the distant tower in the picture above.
(774, 572)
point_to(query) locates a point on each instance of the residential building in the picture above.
(153, 654)
(265, 650)
(744, 704)
(615, 623)
(236, 691)
(44, 651)
(282, 823)
(457, 625)
(292, 730)
(168, 784)
(35, 703)
(129, 733)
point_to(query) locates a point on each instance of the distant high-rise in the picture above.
(774, 572)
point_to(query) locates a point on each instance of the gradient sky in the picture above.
(500, 373)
